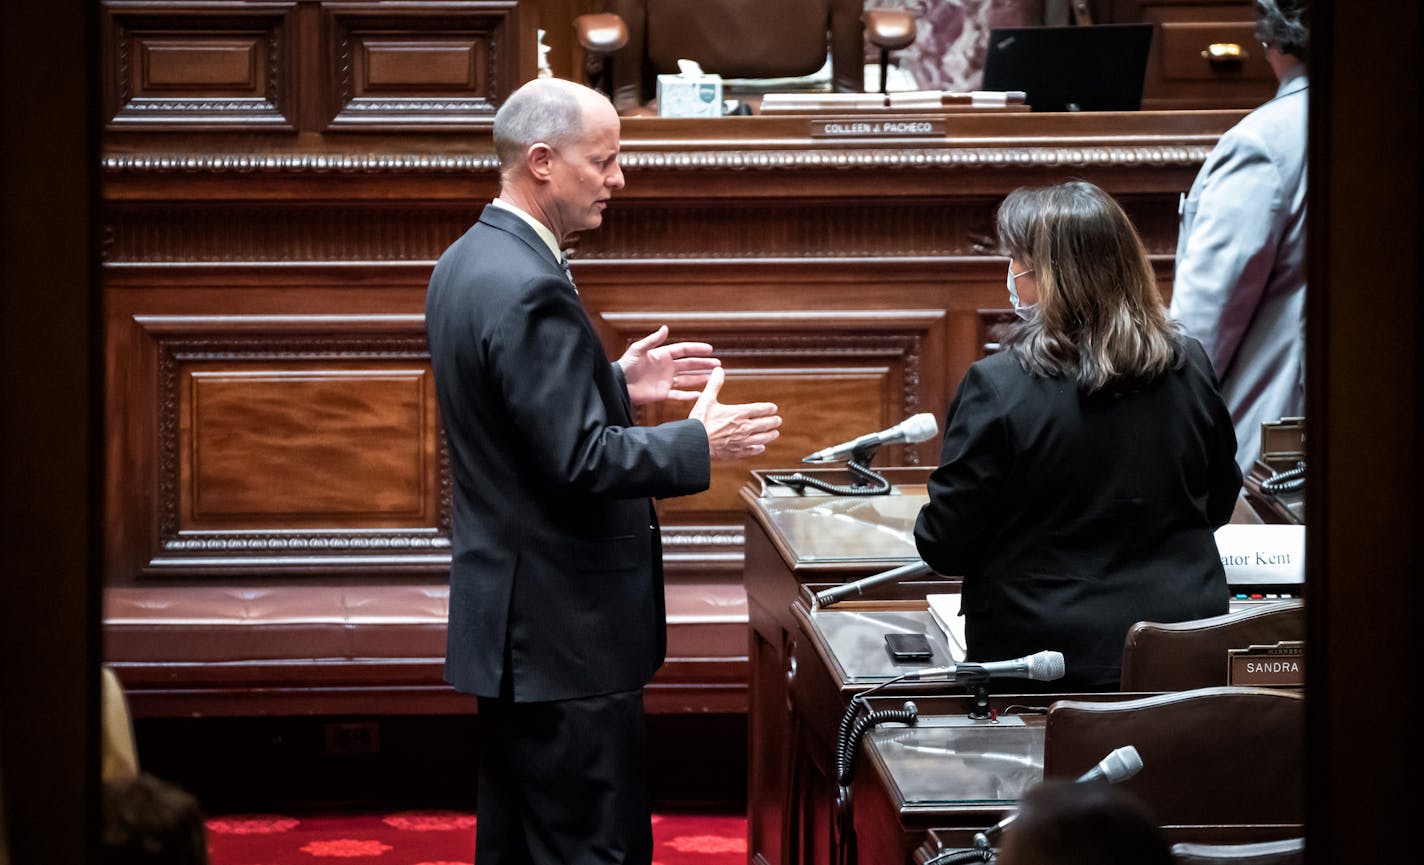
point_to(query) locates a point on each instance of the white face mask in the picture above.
(1024, 312)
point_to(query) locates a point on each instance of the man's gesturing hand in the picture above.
(656, 372)
(734, 431)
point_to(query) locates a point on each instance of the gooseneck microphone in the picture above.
(856, 587)
(1044, 666)
(918, 428)
(1120, 765)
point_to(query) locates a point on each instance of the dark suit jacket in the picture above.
(556, 560)
(1071, 517)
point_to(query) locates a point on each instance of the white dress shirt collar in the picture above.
(539, 228)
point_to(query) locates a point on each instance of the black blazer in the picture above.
(556, 562)
(1071, 517)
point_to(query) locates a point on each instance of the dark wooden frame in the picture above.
(1365, 221)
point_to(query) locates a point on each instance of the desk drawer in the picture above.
(1180, 77)
(1183, 52)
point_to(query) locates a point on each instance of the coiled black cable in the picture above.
(848, 718)
(1288, 481)
(956, 857)
(849, 743)
(880, 485)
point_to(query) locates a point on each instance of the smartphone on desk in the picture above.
(908, 648)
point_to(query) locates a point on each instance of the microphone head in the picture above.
(921, 427)
(1045, 666)
(1121, 764)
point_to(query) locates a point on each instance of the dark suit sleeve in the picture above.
(548, 365)
(974, 462)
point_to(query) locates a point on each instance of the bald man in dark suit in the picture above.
(556, 593)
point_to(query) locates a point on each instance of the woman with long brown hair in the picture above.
(1086, 466)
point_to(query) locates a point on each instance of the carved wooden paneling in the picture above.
(832, 376)
(635, 229)
(420, 65)
(207, 233)
(308, 446)
(632, 229)
(264, 300)
(286, 440)
(220, 65)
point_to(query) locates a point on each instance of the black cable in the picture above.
(955, 857)
(1288, 481)
(848, 738)
(845, 759)
(799, 482)
(848, 717)
(1016, 709)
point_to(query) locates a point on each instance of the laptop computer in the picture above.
(1096, 67)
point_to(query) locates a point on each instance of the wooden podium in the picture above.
(793, 540)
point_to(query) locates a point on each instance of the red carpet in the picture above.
(434, 838)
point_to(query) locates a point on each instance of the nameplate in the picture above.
(859, 127)
(1255, 555)
(1278, 666)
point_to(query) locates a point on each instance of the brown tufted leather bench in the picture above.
(196, 651)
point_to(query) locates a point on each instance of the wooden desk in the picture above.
(800, 684)
(793, 540)
(928, 788)
(960, 778)
(839, 655)
(945, 839)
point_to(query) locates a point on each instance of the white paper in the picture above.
(1262, 554)
(944, 610)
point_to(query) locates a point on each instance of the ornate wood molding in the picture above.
(698, 536)
(898, 159)
(298, 163)
(1076, 156)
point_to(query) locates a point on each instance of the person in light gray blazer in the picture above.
(1240, 281)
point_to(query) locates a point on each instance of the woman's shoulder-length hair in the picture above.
(1100, 319)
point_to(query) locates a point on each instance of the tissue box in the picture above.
(681, 96)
